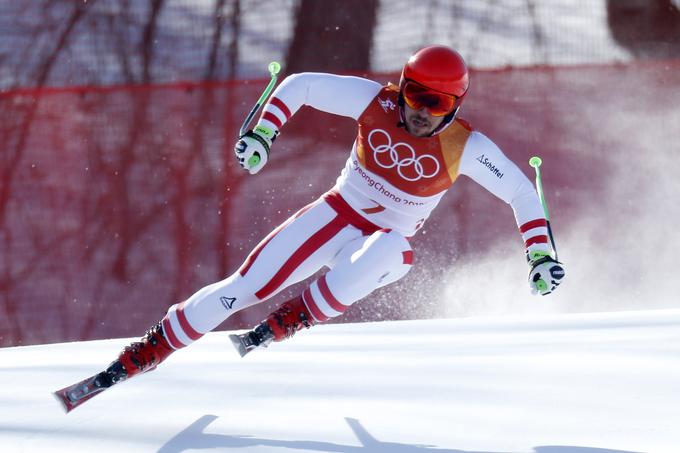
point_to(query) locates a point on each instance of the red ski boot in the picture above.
(141, 356)
(281, 324)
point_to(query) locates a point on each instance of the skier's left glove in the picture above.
(252, 148)
(545, 274)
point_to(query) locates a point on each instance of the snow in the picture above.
(577, 383)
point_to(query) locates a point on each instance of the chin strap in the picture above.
(402, 116)
(448, 120)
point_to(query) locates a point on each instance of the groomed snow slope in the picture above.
(590, 383)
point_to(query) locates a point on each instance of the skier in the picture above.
(410, 148)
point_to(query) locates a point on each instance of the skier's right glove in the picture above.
(252, 148)
(545, 274)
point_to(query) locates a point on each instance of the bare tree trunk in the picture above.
(538, 38)
(148, 40)
(41, 78)
(647, 28)
(230, 183)
(126, 161)
(215, 47)
(332, 35)
(11, 277)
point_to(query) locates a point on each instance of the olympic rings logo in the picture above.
(411, 162)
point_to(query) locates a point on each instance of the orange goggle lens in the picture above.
(437, 103)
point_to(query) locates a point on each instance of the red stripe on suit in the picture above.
(533, 224)
(311, 245)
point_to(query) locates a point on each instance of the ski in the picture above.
(260, 336)
(76, 394)
(244, 343)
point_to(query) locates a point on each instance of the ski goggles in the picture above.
(437, 103)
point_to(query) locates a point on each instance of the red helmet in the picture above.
(439, 68)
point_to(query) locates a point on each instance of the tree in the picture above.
(647, 28)
(333, 36)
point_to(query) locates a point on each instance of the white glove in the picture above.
(545, 274)
(252, 148)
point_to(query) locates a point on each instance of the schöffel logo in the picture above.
(387, 104)
(487, 163)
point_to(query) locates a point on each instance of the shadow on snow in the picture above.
(194, 438)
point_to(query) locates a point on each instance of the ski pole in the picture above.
(536, 163)
(274, 68)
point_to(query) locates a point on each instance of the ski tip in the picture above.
(238, 344)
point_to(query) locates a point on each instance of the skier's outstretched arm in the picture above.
(341, 95)
(486, 164)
